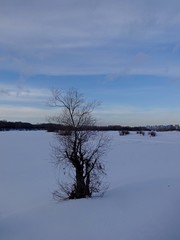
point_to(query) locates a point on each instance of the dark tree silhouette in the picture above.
(79, 150)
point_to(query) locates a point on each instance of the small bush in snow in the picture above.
(141, 133)
(124, 132)
(152, 134)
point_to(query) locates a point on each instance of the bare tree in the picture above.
(80, 148)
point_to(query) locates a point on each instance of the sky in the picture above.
(123, 53)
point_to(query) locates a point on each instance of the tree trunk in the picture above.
(80, 189)
(88, 193)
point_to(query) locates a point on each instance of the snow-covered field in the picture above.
(142, 203)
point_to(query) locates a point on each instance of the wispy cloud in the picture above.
(137, 116)
(16, 93)
(75, 37)
(29, 114)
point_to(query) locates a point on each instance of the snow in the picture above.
(142, 202)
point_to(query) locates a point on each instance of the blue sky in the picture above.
(125, 54)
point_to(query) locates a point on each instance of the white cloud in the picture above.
(30, 114)
(20, 94)
(127, 115)
(75, 36)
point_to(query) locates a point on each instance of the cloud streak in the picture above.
(29, 114)
(83, 37)
(20, 94)
(127, 115)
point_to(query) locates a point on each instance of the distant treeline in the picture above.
(6, 126)
(51, 127)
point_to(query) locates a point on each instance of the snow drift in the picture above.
(142, 202)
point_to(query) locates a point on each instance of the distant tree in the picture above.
(142, 133)
(152, 133)
(124, 132)
(78, 151)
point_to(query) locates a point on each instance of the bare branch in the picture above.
(79, 150)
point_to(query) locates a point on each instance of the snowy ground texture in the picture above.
(142, 203)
